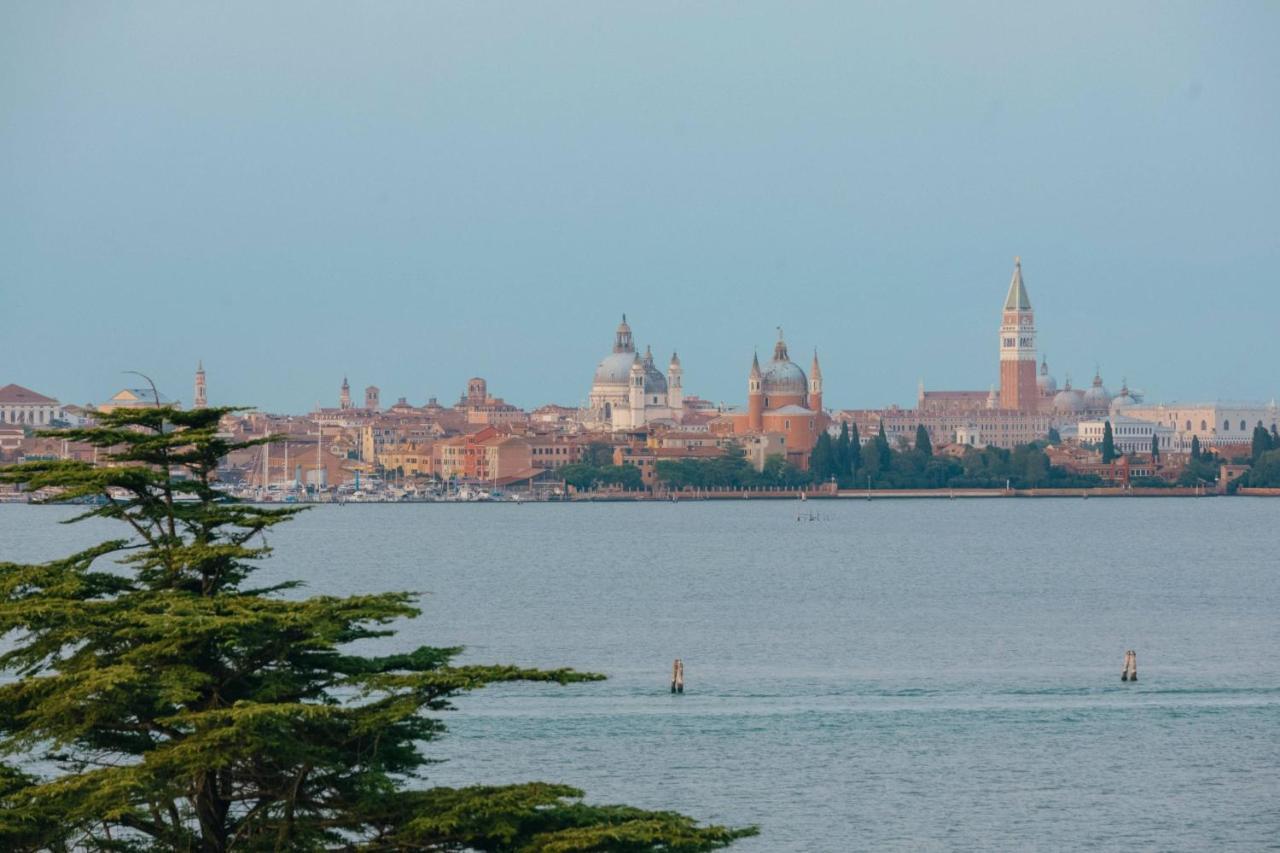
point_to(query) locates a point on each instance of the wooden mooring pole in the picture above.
(1130, 672)
(677, 676)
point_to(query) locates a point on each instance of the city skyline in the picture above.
(327, 193)
(330, 396)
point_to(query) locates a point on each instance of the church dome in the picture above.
(654, 381)
(1097, 397)
(615, 368)
(783, 376)
(1068, 401)
(1047, 385)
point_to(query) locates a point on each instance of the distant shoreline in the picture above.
(798, 496)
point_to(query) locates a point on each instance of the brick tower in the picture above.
(755, 397)
(1018, 348)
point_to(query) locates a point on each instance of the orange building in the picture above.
(782, 401)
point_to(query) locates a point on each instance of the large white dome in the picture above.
(615, 369)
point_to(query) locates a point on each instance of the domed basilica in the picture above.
(629, 391)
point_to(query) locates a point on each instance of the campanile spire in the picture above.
(1018, 347)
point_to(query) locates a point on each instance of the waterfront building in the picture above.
(629, 391)
(1222, 425)
(1129, 435)
(980, 427)
(781, 401)
(23, 406)
(486, 456)
(548, 452)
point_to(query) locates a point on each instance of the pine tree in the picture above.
(1054, 437)
(1155, 446)
(1261, 442)
(1108, 444)
(1195, 448)
(162, 702)
(883, 450)
(822, 458)
(923, 444)
(855, 450)
(843, 471)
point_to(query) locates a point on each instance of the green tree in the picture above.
(1054, 436)
(1155, 446)
(883, 450)
(843, 470)
(1108, 444)
(822, 461)
(1261, 443)
(597, 454)
(855, 451)
(923, 444)
(1195, 447)
(1265, 472)
(160, 701)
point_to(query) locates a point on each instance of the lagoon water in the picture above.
(895, 675)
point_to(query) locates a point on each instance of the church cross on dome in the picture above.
(780, 348)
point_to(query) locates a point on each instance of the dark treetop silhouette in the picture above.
(161, 702)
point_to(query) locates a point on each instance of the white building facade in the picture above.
(25, 407)
(1217, 425)
(629, 392)
(1129, 435)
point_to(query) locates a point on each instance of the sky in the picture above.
(410, 194)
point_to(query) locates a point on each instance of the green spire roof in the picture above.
(1017, 299)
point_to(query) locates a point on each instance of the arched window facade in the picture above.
(1204, 425)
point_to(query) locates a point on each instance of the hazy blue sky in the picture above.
(414, 193)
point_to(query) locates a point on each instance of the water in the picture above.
(914, 675)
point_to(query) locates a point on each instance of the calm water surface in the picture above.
(906, 675)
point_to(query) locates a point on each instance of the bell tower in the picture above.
(1018, 388)
(755, 397)
(675, 387)
(815, 384)
(201, 398)
(636, 397)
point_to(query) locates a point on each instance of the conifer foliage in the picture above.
(153, 699)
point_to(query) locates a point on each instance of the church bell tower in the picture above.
(1018, 388)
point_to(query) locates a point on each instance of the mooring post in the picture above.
(677, 676)
(1130, 671)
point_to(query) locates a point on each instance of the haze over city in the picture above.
(412, 194)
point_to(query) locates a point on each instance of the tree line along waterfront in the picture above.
(843, 459)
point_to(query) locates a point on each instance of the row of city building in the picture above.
(645, 414)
